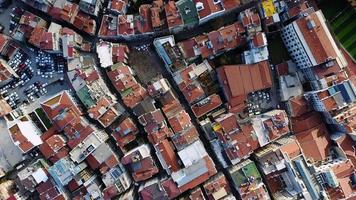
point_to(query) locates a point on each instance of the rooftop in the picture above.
(25, 134)
(239, 140)
(254, 77)
(85, 148)
(217, 187)
(319, 39)
(206, 105)
(140, 162)
(125, 132)
(188, 12)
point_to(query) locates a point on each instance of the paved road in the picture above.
(5, 18)
(186, 106)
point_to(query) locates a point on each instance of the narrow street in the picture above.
(206, 143)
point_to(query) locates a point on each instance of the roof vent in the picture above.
(311, 24)
(199, 6)
(216, 1)
(187, 10)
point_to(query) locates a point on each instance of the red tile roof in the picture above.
(20, 139)
(216, 184)
(69, 11)
(169, 155)
(173, 17)
(240, 140)
(94, 112)
(253, 191)
(315, 142)
(36, 36)
(76, 131)
(231, 4)
(122, 78)
(171, 188)
(3, 42)
(59, 105)
(125, 132)
(277, 126)
(306, 122)
(196, 194)
(343, 173)
(258, 40)
(347, 145)
(119, 53)
(299, 106)
(187, 137)
(180, 121)
(47, 41)
(156, 10)
(108, 117)
(316, 38)
(125, 25)
(295, 10)
(47, 190)
(5, 74)
(206, 105)
(193, 93)
(209, 7)
(253, 78)
(187, 47)
(142, 168)
(144, 22)
(52, 146)
(118, 5)
(137, 95)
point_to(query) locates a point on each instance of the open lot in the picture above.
(145, 62)
(277, 50)
(342, 20)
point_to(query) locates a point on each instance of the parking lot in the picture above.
(260, 101)
(5, 18)
(36, 72)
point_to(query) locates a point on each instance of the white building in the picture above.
(310, 44)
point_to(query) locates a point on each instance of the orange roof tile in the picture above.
(208, 7)
(299, 106)
(108, 117)
(169, 155)
(315, 142)
(316, 38)
(180, 121)
(202, 178)
(173, 17)
(254, 77)
(206, 105)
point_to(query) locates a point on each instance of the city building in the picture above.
(254, 77)
(91, 7)
(24, 134)
(258, 49)
(312, 48)
(117, 180)
(248, 181)
(270, 126)
(237, 141)
(286, 171)
(217, 187)
(140, 162)
(152, 189)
